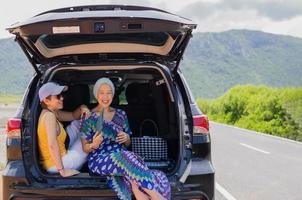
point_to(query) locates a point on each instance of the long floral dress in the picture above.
(118, 164)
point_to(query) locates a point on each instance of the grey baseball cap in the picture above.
(51, 88)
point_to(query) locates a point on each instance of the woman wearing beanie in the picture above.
(54, 157)
(105, 136)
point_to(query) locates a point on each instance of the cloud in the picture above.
(199, 10)
(227, 20)
(275, 10)
(131, 2)
(145, 3)
(275, 16)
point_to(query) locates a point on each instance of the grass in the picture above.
(10, 99)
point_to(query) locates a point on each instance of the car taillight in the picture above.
(13, 128)
(200, 125)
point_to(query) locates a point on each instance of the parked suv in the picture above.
(139, 49)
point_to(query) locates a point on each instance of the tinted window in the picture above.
(61, 40)
(188, 91)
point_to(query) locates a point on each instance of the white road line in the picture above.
(254, 148)
(224, 192)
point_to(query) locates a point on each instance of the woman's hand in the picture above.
(97, 140)
(122, 137)
(84, 111)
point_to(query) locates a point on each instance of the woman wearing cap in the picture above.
(54, 157)
(105, 136)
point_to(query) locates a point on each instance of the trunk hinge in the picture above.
(24, 47)
(183, 46)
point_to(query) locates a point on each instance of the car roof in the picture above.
(110, 11)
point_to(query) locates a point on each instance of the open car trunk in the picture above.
(145, 93)
(106, 32)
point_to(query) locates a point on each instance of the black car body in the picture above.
(139, 49)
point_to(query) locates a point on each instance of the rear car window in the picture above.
(62, 40)
(188, 91)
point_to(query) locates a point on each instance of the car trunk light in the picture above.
(200, 125)
(13, 128)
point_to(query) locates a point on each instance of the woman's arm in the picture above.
(89, 147)
(128, 142)
(54, 149)
(51, 127)
(70, 116)
(123, 138)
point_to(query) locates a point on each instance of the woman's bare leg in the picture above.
(139, 195)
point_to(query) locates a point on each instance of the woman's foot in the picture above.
(139, 195)
(154, 195)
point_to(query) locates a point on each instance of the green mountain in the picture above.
(213, 62)
(15, 69)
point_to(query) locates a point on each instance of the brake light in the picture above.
(13, 128)
(200, 125)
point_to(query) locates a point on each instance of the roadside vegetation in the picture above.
(10, 99)
(275, 111)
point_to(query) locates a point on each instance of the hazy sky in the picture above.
(275, 16)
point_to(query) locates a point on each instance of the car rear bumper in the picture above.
(12, 174)
(200, 183)
(196, 195)
(64, 194)
(33, 197)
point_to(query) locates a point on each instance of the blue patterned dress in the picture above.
(118, 164)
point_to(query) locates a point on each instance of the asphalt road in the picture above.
(255, 166)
